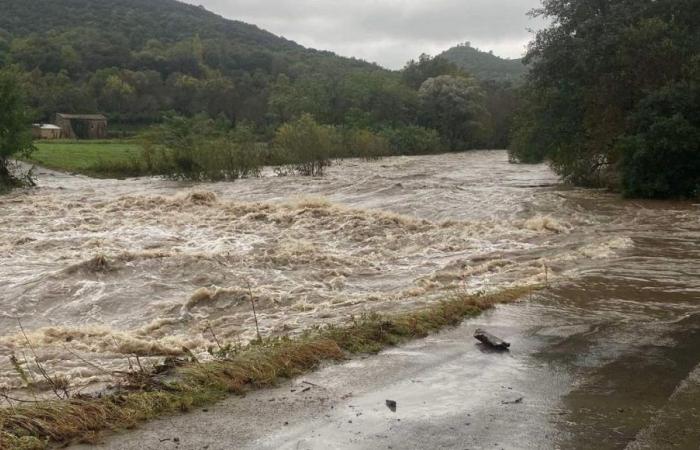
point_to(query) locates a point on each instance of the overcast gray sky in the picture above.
(389, 32)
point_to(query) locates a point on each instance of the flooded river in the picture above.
(100, 270)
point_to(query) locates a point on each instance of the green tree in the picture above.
(415, 73)
(413, 140)
(377, 99)
(602, 101)
(455, 107)
(15, 135)
(660, 154)
(201, 149)
(365, 144)
(501, 100)
(307, 146)
(283, 104)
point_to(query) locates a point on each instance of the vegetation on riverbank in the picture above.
(15, 138)
(180, 385)
(103, 159)
(203, 149)
(613, 96)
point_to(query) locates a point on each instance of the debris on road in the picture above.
(391, 404)
(491, 340)
(514, 402)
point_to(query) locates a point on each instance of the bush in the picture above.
(15, 135)
(413, 140)
(365, 144)
(307, 147)
(662, 158)
(201, 149)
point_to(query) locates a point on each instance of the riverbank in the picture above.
(183, 385)
(101, 159)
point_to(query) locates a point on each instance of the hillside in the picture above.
(485, 65)
(135, 59)
(165, 20)
(135, 22)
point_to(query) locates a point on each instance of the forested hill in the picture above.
(136, 22)
(138, 61)
(485, 65)
(134, 59)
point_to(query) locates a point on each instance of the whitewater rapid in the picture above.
(100, 271)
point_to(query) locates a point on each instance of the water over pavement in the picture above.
(607, 357)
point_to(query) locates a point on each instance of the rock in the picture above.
(391, 404)
(491, 340)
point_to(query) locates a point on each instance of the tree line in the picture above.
(243, 80)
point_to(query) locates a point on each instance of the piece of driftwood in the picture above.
(491, 340)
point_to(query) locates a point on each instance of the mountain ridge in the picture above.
(486, 66)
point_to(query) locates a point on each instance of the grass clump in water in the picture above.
(180, 385)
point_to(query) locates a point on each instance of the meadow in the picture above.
(103, 159)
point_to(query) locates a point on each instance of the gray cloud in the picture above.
(389, 32)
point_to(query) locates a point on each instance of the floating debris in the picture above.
(491, 340)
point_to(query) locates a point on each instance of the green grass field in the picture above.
(105, 159)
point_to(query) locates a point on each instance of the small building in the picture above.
(82, 126)
(46, 131)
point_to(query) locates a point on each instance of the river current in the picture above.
(99, 271)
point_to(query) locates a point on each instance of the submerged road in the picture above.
(622, 375)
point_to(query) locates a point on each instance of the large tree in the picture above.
(455, 107)
(15, 134)
(612, 95)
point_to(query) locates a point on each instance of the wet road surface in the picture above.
(574, 379)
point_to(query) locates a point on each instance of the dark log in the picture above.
(491, 340)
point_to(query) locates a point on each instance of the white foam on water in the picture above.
(111, 269)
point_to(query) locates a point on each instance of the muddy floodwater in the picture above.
(98, 271)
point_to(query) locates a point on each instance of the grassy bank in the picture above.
(103, 159)
(182, 385)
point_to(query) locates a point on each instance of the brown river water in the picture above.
(98, 271)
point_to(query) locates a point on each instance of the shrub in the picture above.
(15, 136)
(201, 149)
(413, 140)
(365, 144)
(305, 146)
